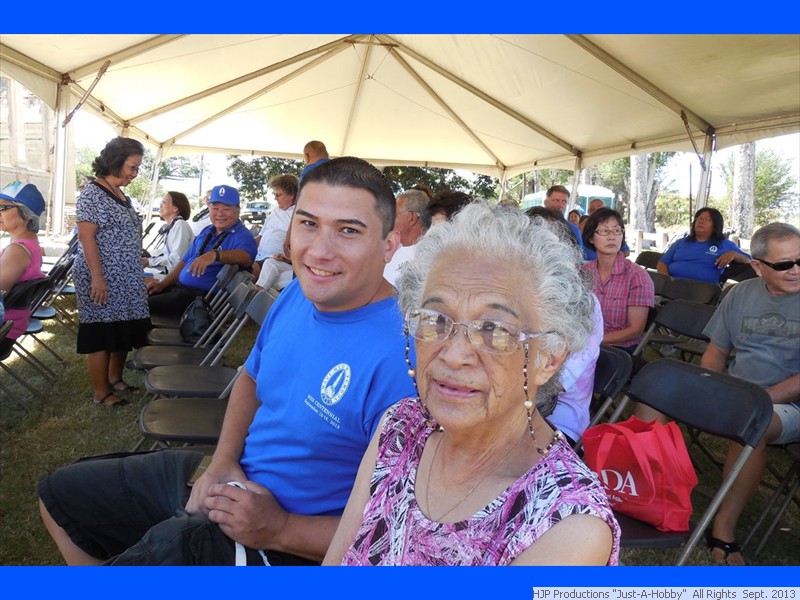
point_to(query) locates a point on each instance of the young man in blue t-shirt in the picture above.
(328, 361)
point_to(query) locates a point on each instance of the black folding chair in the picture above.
(203, 381)
(649, 259)
(711, 402)
(224, 329)
(675, 322)
(691, 289)
(173, 421)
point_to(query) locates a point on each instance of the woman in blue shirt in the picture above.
(704, 253)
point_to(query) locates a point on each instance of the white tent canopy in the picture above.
(494, 104)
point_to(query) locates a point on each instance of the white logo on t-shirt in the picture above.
(335, 384)
(712, 249)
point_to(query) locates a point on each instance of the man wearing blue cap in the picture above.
(225, 241)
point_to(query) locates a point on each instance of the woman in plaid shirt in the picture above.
(624, 289)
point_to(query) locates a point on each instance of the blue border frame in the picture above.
(248, 16)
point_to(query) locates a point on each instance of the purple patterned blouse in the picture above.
(396, 532)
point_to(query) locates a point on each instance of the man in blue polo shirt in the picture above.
(314, 153)
(225, 241)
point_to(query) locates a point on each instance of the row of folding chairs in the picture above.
(190, 386)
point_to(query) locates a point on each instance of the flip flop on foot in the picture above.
(731, 551)
(102, 401)
(121, 386)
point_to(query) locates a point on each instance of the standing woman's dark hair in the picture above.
(717, 235)
(115, 154)
(600, 216)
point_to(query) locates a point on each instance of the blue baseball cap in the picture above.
(26, 194)
(224, 194)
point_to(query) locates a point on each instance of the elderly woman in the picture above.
(178, 235)
(469, 473)
(109, 284)
(624, 289)
(704, 253)
(21, 205)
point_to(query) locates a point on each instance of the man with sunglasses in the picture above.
(760, 319)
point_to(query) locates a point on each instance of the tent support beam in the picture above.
(87, 93)
(261, 92)
(641, 82)
(130, 52)
(483, 96)
(418, 78)
(58, 185)
(576, 175)
(704, 186)
(356, 96)
(337, 45)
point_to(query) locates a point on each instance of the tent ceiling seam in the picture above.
(482, 95)
(665, 99)
(356, 98)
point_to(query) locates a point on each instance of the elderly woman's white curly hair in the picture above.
(559, 292)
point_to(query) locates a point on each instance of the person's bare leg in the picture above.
(98, 363)
(73, 555)
(116, 366)
(741, 491)
(645, 413)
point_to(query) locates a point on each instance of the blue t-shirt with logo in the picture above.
(324, 379)
(237, 237)
(697, 260)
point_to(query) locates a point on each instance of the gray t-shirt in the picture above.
(764, 329)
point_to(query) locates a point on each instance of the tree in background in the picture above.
(617, 175)
(403, 178)
(774, 198)
(533, 181)
(252, 174)
(744, 187)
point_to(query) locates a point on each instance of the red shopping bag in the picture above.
(645, 469)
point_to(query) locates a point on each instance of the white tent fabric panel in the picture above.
(495, 104)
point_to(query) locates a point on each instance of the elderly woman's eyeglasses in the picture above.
(608, 232)
(783, 265)
(489, 336)
(7, 206)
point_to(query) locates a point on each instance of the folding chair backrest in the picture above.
(260, 305)
(612, 370)
(649, 259)
(691, 289)
(685, 317)
(223, 276)
(660, 282)
(714, 403)
(24, 294)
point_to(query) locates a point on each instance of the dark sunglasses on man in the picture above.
(783, 265)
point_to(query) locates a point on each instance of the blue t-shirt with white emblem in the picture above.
(323, 379)
(697, 260)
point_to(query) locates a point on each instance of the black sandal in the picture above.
(102, 401)
(727, 547)
(125, 388)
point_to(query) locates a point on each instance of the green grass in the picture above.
(41, 436)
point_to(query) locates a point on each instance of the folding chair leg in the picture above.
(789, 495)
(22, 381)
(30, 358)
(701, 526)
(52, 352)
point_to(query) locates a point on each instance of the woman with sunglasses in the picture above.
(705, 253)
(624, 289)
(468, 472)
(109, 284)
(21, 205)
